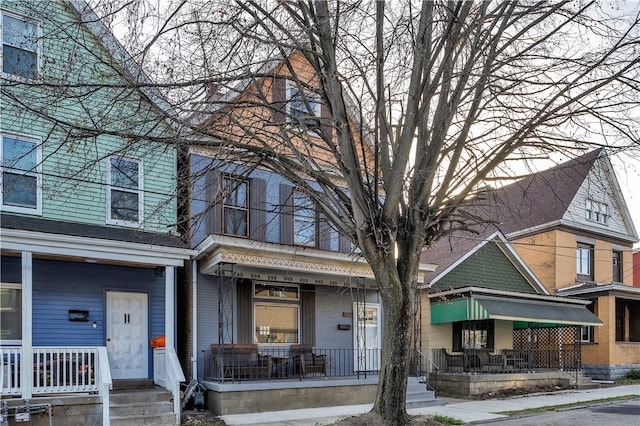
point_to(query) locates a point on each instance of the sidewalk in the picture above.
(467, 411)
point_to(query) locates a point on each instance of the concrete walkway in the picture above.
(467, 411)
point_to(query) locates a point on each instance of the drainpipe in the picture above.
(194, 319)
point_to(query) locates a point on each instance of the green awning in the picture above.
(508, 309)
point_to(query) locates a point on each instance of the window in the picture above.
(303, 109)
(597, 212)
(587, 332)
(21, 174)
(276, 313)
(616, 260)
(584, 261)
(20, 46)
(235, 211)
(124, 191)
(10, 313)
(473, 335)
(304, 220)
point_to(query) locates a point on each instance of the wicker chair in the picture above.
(306, 362)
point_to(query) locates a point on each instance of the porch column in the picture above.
(169, 306)
(26, 366)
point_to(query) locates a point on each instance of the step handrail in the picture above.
(425, 374)
(105, 383)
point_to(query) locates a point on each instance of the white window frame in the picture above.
(38, 52)
(14, 286)
(580, 260)
(139, 191)
(586, 334)
(597, 211)
(37, 174)
(293, 89)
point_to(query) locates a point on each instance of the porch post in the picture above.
(169, 306)
(26, 366)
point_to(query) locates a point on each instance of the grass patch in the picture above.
(445, 420)
(563, 406)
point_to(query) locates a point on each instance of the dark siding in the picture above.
(213, 215)
(258, 209)
(245, 311)
(308, 315)
(286, 214)
(279, 97)
(487, 268)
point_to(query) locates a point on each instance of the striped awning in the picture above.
(540, 312)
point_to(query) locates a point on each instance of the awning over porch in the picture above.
(544, 313)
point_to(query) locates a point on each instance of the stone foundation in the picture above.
(65, 410)
(609, 372)
(467, 384)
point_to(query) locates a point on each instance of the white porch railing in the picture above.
(55, 370)
(105, 384)
(168, 374)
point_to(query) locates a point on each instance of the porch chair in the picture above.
(489, 361)
(306, 362)
(453, 361)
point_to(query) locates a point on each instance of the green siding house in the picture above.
(88, 213)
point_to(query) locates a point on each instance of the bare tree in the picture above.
(425, 104)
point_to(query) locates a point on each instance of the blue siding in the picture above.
(60, 286)
(199, 199)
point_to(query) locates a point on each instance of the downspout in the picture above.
(194, 319)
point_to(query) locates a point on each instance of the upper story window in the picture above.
(124, 191)
(584, 261)
(21, 174)
(597, 212)
(303, 108)
(304, 220)
(235, 211)
(20, 46)
(616, 257)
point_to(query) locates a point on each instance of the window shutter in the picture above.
(324, 233)
(457, 337)
(279, 99)
(244, 289)
(308, 315)
(213, 214)
(257, 212)
(345, 244)
(286, 214)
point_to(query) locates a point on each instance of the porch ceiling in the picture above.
(488, 307)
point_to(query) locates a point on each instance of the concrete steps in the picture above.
(149, 406)
(418, 395)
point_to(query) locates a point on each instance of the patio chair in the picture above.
(306, 362)
(453, 361)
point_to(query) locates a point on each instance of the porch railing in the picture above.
(507, 360)
(168, 374)
(339, 363)
(55, 370)
(425, 368)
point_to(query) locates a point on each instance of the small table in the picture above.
(280, 366)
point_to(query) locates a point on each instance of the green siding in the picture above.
(75, 160)
(487, 268)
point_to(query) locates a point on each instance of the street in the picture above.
(622, 413)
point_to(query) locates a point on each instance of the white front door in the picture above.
(366, 336)
(127, 335)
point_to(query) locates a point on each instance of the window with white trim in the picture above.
(304, 220)
(303, 108)
(10, 313)
(124, 191)
(597, 212)
(276, 313)
(21, 47)
(584, 261)
(20, 158)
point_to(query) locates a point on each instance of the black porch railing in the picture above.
(507, 360)
(247, 362)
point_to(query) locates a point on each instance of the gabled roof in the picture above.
(544, 199)
(481, 260)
